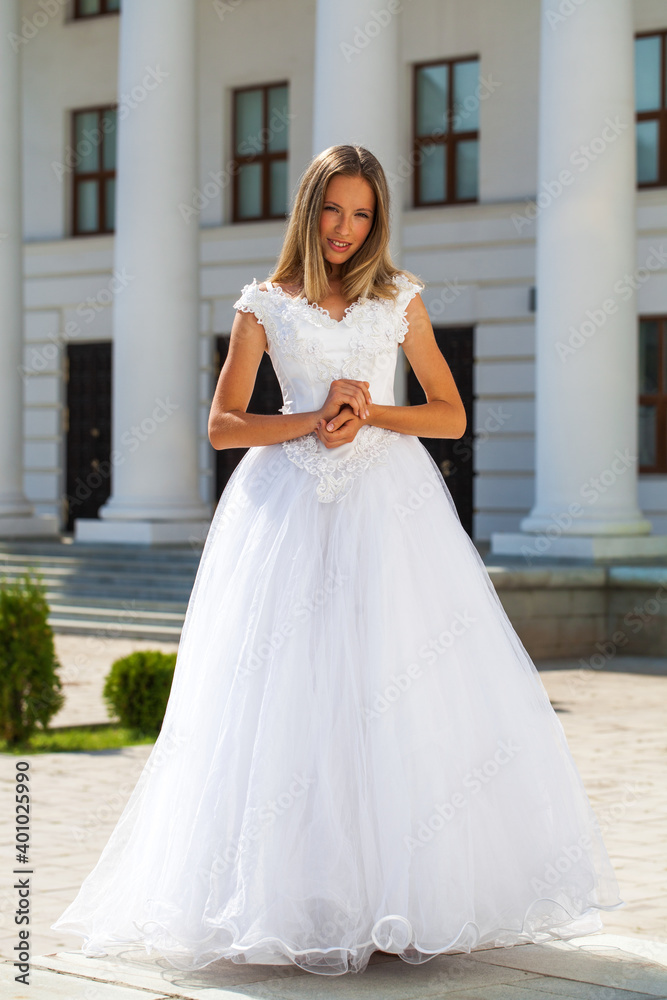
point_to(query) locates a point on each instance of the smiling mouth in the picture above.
(338, 243)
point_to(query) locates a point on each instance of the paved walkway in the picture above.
(615, 721)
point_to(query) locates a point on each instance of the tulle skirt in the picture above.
(358, 753)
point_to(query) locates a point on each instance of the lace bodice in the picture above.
(309, 349)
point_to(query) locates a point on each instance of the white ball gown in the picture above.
(358, 753)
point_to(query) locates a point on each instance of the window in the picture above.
(446, 131)
(94, 172)
(94, 8)
(260, 143)
(651, 107)
(653, 394)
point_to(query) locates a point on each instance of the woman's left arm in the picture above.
(443, 415)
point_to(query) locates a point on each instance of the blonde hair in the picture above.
(370, 270)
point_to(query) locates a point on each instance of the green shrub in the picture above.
(30, 688)
(137, 687)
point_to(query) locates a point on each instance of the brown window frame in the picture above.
(103, 12)
(265, 157)
(449, 138)
(658, 399)
(660, 116)
(100, 175)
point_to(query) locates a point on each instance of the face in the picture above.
(347, 217)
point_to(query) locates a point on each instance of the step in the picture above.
(54, 563)
(118, 587)
(25, 549)
(116, 615)
(121, 630)
(63, 570)
(111, 604)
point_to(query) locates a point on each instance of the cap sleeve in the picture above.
(251, 300)
(407, 289)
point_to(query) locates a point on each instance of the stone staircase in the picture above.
(112, 590)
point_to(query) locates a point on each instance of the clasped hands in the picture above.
(345, 410)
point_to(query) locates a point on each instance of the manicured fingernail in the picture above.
(330, 427)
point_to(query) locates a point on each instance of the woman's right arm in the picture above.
(230, 426)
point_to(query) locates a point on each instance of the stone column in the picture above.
(357, 98)
(155, 495)
(17, 517)
(586, 392)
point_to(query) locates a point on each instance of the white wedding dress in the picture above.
(358, 752)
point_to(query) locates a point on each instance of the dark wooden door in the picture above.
(266, 398)
(88, 475)
(454, 455)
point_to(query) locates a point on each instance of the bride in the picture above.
(358, 753)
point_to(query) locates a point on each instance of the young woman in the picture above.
(358, 753)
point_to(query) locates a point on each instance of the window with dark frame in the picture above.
(445, 124)
(651, 108)
(95, 8)
(653, 394)
(94, 171)
(260, 144)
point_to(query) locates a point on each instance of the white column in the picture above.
(357, 98)
(16, 514)
(155, 495)
(586, 392)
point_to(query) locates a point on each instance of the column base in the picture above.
(589, 547)
(32, 526)
(141, 532)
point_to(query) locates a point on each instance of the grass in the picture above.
(69, 739)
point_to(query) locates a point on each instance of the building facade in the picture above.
(152, 152)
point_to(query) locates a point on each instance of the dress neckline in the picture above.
(313, 305)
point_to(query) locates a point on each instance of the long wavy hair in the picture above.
(369, 271)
